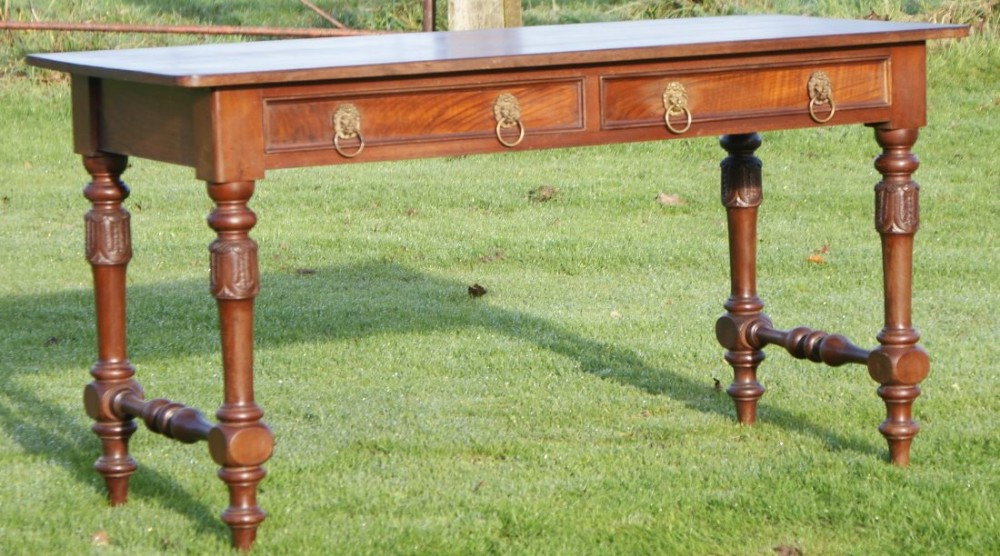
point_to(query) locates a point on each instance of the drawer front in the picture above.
(383, 118)
(734, 93)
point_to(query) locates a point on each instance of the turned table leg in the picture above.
(898, 364)
(240, 443)
(109, 249)
(741, 195)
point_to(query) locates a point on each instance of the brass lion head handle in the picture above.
(820, 91)
(507, 111)
(347, 126)
(675, 103)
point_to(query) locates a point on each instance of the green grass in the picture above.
(572, 409)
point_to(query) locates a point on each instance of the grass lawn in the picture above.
(570, 410)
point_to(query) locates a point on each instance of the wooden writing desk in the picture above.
(234, 111)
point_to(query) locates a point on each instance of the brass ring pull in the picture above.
(675, 103)
(678, 112)
(345, 154)
(820, 93)
(347, 125)
(520, 135)
(507, 112)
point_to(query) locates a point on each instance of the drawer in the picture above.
(301, 123)
(634, 100)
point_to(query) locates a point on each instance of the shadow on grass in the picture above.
(45, 430)
(340, 302)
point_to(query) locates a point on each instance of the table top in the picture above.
(402, 54)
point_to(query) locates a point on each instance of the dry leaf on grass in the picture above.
(669, 199)
(496, 255)
(475, 290)
(817, 255)
(543, 193)
(99, 538)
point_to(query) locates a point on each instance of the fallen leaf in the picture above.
(53, 341)
(669, 199)
(718, 384)
(475, 290)
(616, 314)
(787, 550)
(817, 254)
(305, 271)
(99, 538)
(497, 255)
(543, 193)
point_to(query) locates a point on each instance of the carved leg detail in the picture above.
(898, 364)
(109, 249)
(741, 195)
(240, 443)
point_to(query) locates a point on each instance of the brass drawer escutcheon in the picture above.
(507, 111)
(820, 93)
(675, 103)
(347, 125)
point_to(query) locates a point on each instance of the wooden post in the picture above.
(483, 14)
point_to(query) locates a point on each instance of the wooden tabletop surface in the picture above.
(282, 61)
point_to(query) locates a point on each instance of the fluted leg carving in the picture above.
(898, 364)
(240, 443)
(108, 250)
(741, 195)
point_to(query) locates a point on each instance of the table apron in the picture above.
(294, 125)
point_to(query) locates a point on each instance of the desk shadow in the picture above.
(399, 300)
(328, 303)
(46, 430)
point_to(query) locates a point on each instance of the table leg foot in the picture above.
(898, 364)
(243, 514)
(898, 427)
(115, 464)
(240, 443)
(109, 250)
(741, 195)
(745, 390)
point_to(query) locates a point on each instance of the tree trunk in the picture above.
(483, 14)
